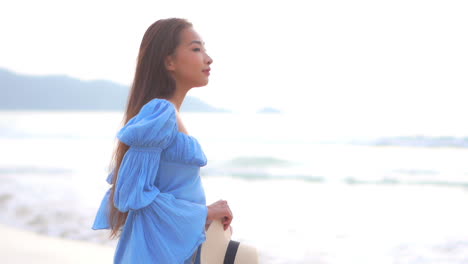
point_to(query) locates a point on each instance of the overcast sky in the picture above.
(340, 59)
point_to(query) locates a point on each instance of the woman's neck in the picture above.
(178, 98)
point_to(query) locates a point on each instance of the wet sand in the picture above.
(20, 246)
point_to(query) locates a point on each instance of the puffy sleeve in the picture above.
(159, 226)
(147, 134)
(101, 221)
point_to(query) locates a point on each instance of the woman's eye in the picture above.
(196, 49)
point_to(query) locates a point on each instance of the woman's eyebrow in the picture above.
(197, 42)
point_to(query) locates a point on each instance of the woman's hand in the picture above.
(220, 209)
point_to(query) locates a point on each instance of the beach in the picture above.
(20, 246)
(315, 223)
(314, 197)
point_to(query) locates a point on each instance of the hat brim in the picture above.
(217, 240)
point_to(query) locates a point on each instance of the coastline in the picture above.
(19, 246)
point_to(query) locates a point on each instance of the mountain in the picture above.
(60, 92)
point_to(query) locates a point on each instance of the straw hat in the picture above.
(220, 249)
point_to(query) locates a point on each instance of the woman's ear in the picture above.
(169, 62)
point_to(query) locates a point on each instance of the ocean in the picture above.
(302, 189)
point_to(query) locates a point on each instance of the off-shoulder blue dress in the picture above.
(159, 186)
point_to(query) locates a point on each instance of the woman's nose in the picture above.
(209, 60)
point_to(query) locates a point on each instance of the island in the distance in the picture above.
(268, 110)
(59, 92)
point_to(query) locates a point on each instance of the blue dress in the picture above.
(159, 186)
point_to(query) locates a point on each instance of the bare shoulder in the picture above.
(181, 124)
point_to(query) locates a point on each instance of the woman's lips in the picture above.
(207, 72)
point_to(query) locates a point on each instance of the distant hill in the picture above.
(268, 110)
(59, 92)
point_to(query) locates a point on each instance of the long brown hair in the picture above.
(151, 80)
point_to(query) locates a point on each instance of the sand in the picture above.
(19, 246)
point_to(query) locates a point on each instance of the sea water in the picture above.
(301, 189)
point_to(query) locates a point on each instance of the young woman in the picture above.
(156, 204)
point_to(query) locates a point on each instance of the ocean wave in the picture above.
(252, 176)
(404, 177)
(390, 181)
(417, 141)
(34, 170)
(347, 180)
(263, 161)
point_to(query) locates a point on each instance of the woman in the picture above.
(156, 205)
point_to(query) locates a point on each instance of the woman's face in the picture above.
(190, 64)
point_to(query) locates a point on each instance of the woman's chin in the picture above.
(202, 84)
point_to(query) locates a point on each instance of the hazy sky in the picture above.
(339, 59)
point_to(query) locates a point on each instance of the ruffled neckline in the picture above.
(200, 161)
(176, 123)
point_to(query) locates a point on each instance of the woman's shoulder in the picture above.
(158, 106)
(155, 125)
